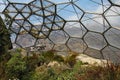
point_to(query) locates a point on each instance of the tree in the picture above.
(5, 42)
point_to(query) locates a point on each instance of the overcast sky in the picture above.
(68, 11)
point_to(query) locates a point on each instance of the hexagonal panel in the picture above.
(94, 22)
(58, 37)
(74, 12)
(76, 45)
(113, 37)
(113, 17)
(25, 40)
(95, 40)
(93, 6)
(94, 53)
(75, 29)
(46, 43)
(111, 53)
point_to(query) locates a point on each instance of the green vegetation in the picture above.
(5, 42)
(50, 66)
(5, 45)
(16, 67)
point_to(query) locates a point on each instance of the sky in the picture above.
(67, 11)
(85, 4)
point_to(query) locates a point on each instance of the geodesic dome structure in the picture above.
(84, 26)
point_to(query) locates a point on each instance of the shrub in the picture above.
(16, 67)
(33, 68)
(71, 59)
(58, 58)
